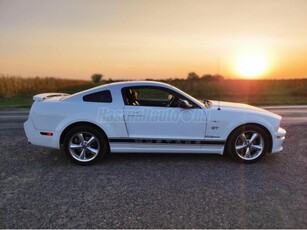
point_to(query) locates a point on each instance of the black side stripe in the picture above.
(160, 141)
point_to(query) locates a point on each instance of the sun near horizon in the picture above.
(251, 65)
(135, 39)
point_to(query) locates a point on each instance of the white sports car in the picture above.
(147, 116)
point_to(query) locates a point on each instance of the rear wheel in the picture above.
(85, 145)
(248, 144)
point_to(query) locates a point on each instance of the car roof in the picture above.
(111, 86)
(137, 83)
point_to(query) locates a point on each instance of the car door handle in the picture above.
(135, 114)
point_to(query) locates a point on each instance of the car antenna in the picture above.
(218, 107)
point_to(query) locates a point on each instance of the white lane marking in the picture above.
(13, 117)
(285, 107)
(13, 111)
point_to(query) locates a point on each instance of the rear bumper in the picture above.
(35, 137)
(278, 140)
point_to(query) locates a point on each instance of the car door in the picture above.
(154, 119)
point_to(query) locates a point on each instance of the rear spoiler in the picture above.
(44, 96)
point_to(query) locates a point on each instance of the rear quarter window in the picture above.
(102, 97)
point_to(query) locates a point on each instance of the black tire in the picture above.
(255, 148)
(85, 145)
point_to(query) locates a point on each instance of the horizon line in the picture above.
(147, 78)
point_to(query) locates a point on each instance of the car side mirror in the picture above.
(184, 104)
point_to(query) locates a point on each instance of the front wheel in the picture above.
(248, 144)
(85, 145)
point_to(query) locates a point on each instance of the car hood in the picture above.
(231, 106)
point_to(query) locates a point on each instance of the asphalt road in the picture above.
(40, 188)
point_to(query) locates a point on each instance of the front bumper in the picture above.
(35, 137)
(278, 140)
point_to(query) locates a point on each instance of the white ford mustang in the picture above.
(145, 116)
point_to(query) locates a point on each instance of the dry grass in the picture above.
(17, 91)
(257, 92)
(11, 86)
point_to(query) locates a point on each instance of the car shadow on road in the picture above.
(164, 157)
(58, 156)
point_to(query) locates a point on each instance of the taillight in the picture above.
(47, 134)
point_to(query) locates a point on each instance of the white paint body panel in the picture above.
(212, 124)
(157, 122)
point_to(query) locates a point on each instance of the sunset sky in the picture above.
(138, 39)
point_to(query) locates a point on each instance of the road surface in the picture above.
(40, 188)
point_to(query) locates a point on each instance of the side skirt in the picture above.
(166, 146)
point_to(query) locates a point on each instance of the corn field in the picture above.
(257, 92)
(16, 86)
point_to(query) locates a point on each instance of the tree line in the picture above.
(192, 76)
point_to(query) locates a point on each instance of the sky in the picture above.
(138, 39)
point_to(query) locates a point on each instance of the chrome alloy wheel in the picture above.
(249, 145)
(84, 146)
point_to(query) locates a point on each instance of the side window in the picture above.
(102, 96)
(151, 94)
(146, 96)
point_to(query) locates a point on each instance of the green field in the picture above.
(254, 92)
(18, 92)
